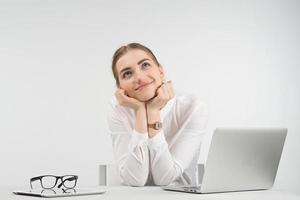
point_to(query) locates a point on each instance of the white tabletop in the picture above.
(155, 193)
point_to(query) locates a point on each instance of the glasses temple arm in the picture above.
(33, 179)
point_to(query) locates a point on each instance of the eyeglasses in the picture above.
(50, 181)
(62, 191)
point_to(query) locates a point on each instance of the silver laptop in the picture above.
(240, 160)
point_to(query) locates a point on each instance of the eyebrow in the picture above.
(127, 68)
(143, 60)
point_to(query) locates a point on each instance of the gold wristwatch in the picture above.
(155, 125)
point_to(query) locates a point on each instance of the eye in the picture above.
(145, 65)
(127, 75)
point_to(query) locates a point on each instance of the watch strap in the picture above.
(155, 125)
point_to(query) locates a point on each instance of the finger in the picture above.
(119, 92)
(170, 89)
(165, 93)
(121, 96)
(156, 92)
(123, 93)
(166, 88)
(160, 94)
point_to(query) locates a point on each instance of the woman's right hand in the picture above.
(127, 101)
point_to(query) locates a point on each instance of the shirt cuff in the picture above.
(157, 141)
(138, 138)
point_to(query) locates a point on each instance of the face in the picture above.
(139, 75)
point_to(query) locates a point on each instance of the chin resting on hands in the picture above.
(127, 101)
(163, 94)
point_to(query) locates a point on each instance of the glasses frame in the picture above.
(64, 190)
(61, 178)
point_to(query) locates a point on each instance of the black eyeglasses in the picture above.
(50, 181)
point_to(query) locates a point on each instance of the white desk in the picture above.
(156, 193)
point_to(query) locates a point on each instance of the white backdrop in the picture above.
(241, 57)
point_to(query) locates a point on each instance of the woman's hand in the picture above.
(164, 94)
(138, 107)
(127, 101)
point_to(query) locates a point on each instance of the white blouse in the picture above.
(171, 156)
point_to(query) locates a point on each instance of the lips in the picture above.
(143, 86)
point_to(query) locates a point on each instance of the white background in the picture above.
(241, 57)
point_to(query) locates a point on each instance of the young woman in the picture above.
(156, 135)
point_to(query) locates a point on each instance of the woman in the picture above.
(156, 135)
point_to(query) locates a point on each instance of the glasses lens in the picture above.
(69, 181)
(48, 182)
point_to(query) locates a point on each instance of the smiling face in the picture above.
(139, 75)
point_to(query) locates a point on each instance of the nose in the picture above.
(139, 76)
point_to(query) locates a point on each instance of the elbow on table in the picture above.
(134, 177)
(163, 182)
(136, 183)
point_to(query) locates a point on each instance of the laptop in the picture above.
(241, 159)
(48, 193)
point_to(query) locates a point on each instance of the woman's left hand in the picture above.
(164, 94)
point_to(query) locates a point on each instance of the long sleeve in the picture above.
(130, 150)
(168, 162)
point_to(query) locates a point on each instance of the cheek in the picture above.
(127, 86)
(158, 78)
(124, 85)
(156, 73)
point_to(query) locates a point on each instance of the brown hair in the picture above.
(123, 50)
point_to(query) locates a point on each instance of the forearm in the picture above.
(152, 117)
(134, 169)
(132, 156)
(164, 168)
(141, 120)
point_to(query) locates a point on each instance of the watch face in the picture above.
(158, 125)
